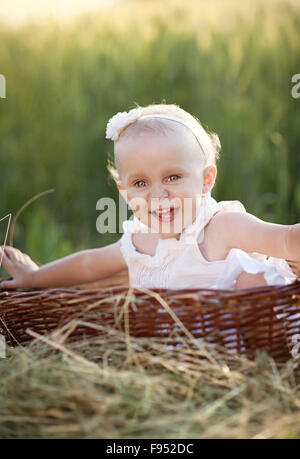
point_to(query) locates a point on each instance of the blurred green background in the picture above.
(229, 63)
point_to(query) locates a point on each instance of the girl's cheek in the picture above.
(137, 203)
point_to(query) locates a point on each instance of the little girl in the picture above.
(179, 237)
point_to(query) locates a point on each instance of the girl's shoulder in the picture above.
(217, 218)
(232, 206)
(213, 242)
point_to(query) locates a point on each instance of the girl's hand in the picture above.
(19, 266)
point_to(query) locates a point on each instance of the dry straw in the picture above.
(109, 386)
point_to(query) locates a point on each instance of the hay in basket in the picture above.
(263, 318)
(242, 321)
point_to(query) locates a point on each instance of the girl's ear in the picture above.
(121, 190)
(209, 178)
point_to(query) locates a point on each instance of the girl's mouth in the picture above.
(166, 214)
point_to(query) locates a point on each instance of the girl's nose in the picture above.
(159, 192)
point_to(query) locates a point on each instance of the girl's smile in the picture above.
(165, 214)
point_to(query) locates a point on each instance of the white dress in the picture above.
(179, 263)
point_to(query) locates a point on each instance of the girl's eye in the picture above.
(172, 178)
(140, 184)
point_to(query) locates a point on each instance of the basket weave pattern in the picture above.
(241, 321)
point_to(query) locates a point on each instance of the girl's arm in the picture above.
(247, 232)
(78, 268)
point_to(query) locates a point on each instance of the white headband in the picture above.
(122, 119)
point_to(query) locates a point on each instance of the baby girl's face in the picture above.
(161, 178)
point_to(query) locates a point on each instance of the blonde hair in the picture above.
(210, 139)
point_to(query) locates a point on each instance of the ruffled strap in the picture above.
(238, 261)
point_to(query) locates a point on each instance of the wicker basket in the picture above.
(242, 321)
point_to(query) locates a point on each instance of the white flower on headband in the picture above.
(119, 121)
